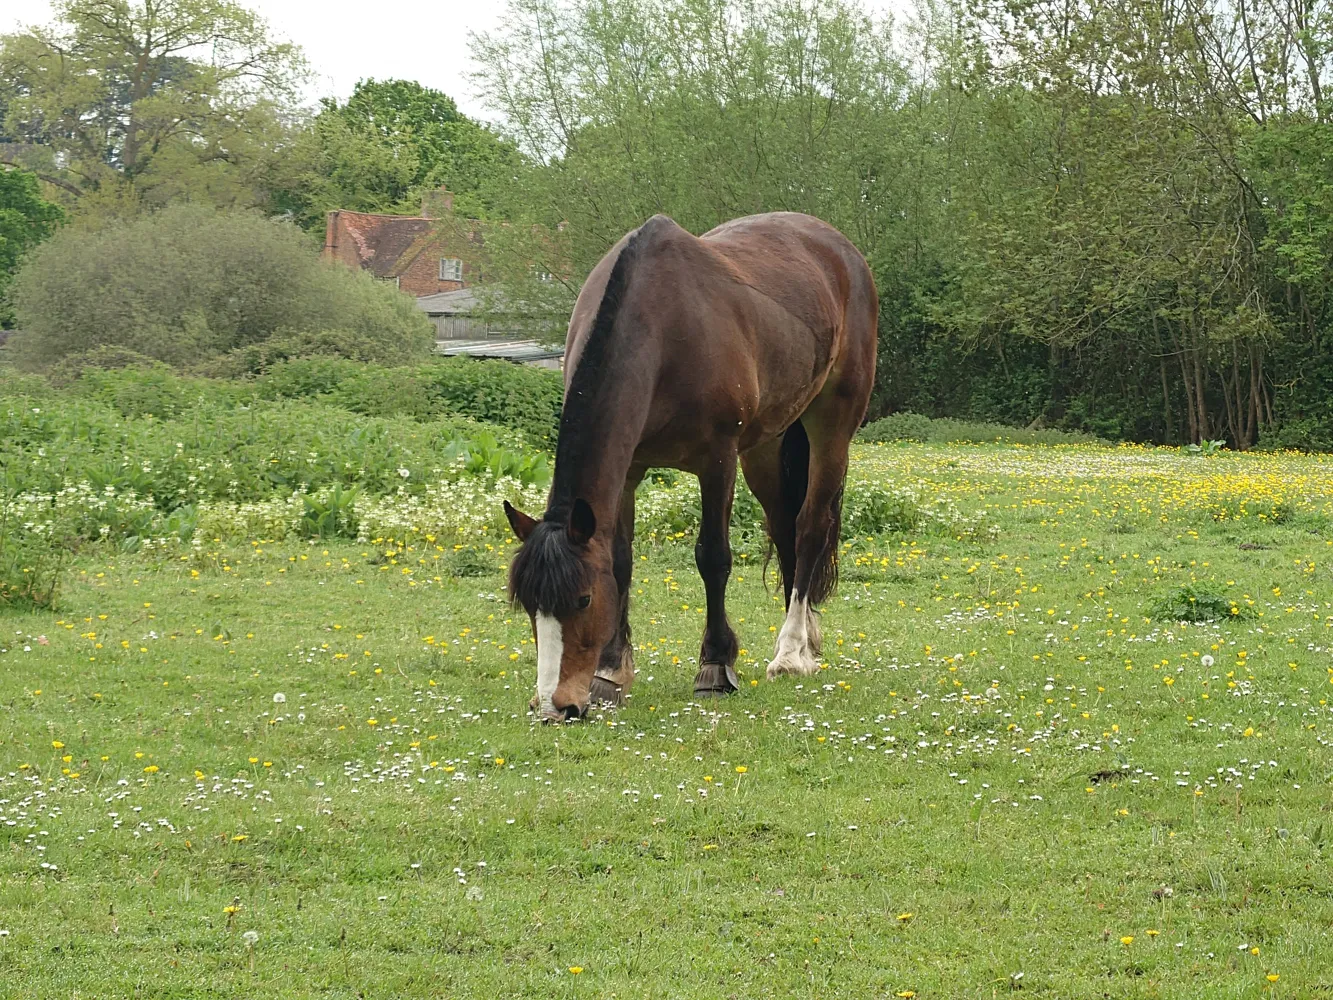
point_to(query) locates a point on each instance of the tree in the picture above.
(187, 285)
(390, 142)
(26, 219)
(151, 100)
(703, 110)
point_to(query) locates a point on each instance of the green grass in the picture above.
(991, 777)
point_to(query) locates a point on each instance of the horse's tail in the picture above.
(793, 480)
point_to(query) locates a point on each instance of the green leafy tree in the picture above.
(389, 143)
(132, 101)
(26, 218)
(1109, 215)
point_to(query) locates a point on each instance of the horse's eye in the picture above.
(585, 600)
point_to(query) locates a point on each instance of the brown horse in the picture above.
(755, 340)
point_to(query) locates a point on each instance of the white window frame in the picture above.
(451, 269)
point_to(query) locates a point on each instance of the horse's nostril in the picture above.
(573, 712)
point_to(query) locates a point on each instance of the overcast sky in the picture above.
(347, 41)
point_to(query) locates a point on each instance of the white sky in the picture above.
(422, 40)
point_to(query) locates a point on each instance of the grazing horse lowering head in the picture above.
(563, 578)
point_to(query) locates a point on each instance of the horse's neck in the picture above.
(596, 449)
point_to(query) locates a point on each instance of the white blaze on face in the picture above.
(550, 651)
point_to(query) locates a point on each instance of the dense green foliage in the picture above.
(140, 456)
(519, 397)
(391, 141)
(303, 425)
(187, 285)
(1110, 217)
(26, 218)
(122, 104)
(908, 426)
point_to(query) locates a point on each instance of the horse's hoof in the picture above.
(716, 678)
(605, 691)
(796, 663)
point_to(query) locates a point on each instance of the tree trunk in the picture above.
(1200, 403)
(1168, 435)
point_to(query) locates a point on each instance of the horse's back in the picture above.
(743, 326)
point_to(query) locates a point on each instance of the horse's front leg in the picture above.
(615, 668)
(712, 554)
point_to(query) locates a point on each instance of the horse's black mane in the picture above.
(579, 428)
(547, 573)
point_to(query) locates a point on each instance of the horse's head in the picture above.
(562, 576)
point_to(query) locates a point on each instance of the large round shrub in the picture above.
(188, 284)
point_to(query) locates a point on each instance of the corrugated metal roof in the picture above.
(462, 300)
(509, 350)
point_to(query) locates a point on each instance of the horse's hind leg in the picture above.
(829, 427)
(712, 555)
(615, 668)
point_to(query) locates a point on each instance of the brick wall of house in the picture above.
(421, 276)
(405, 249)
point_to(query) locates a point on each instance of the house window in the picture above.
(451, 269)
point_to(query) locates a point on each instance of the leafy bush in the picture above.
(1307, 434)
(186, 285)
(351, 345)
(902, 426)
(1206, 448)
(71, 367)
(908, 426)
(151, 390)
(31, 559)
(483, 455)
(1197, 602)
(26, 218)
(521, 397)
(671, 512)
(329, 516)
(216, 450)
(875, 509)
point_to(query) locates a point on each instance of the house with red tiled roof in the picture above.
(423, 255)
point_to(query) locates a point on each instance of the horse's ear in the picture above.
(582, 523)
(520, 522)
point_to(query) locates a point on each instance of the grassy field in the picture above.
(1018, 771)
